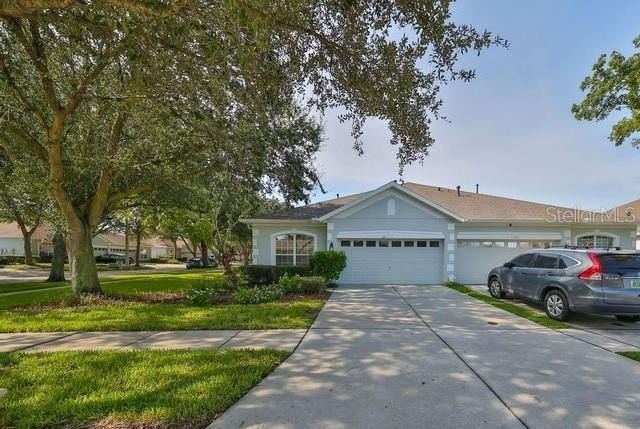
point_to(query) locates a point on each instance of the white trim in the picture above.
(291, 231)
(616, 238)
(399, 188)
(390, 234)
(509, 235)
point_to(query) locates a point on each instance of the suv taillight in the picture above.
(594, 272)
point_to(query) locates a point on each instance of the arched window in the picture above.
(595, 241)
(293, 248)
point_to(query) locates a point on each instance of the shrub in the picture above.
(260, 275)
(313, 284)
(205, 291)
(290, 284)
(256, 295)
(328, 264)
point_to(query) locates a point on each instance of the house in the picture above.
(11, 244)
(413, 233)
(634, 208)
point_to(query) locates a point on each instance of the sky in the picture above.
(511, 130)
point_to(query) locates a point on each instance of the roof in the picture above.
(629, 210)
(469, 206)
(12, 230)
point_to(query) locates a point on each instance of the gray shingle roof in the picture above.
(468, 205)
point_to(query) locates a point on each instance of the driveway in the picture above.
(430, 357)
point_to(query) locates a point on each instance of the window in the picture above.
(434, 243)
(474, 244)
(525, 260)
(597, 241)
(499, 244)
(487, 244)
(396, 243)
(512, 245)
(546, 261)
(383, 243)
(524, 245)
(358, 243)
(409, 243)
(422, 243)
(293, 249)
(371, 243)
(345, 243)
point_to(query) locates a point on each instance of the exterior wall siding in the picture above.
(262, 251)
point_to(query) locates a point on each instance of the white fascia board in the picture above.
(509, 235)
(279, 221)
(390, 234)
(400, 189)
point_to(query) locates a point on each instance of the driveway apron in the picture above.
(430, 357)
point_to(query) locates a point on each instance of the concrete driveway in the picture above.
(430, 357)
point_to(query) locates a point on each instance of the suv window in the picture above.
(620, 263)
(566, 262)
(546, 261)
(525, 260)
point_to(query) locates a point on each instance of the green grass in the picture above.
(53, 310)
(160, 389)
(134, 316)
(631, 355)
(119, 284)
(518, 310)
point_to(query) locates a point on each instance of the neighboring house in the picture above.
(632, 209)
(11, 244)
(412, 233)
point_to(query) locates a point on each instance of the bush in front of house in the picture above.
(290, 284)
(255, 295)
(206, 291)
(328, 264)
(262, 275)
(312, 285)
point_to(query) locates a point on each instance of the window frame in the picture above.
(295, 233)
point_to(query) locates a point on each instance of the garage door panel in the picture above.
(473, 264)
(393, 265)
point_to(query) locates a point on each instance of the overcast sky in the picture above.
(511, 129)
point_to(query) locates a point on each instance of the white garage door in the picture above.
(392, 261)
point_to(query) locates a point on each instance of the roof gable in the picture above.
(372, 196)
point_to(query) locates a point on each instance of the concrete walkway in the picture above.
(283, 339)
(430, 357)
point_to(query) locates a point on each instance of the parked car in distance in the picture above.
(598, 281)
(112, 258)
(197, 263)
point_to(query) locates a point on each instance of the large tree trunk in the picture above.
(204, 250)
(57, 261)
(138, 239)
(84, 274)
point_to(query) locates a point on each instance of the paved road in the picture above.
(8, 275)
(430, 357)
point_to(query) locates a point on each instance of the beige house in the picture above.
(12, 244)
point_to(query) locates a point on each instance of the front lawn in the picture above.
(140, 316)
(519, 310)
(132, 389)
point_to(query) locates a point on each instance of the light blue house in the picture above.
(418, 234)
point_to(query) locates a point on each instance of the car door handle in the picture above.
(552, 274)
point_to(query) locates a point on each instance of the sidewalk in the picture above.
(283, 339)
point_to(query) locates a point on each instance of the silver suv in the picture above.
(573, 280)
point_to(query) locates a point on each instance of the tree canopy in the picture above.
(614, 86)
(118, 98)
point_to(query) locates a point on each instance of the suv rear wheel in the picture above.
(556, 305)
(495, 288)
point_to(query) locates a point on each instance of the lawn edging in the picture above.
(518, 310)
